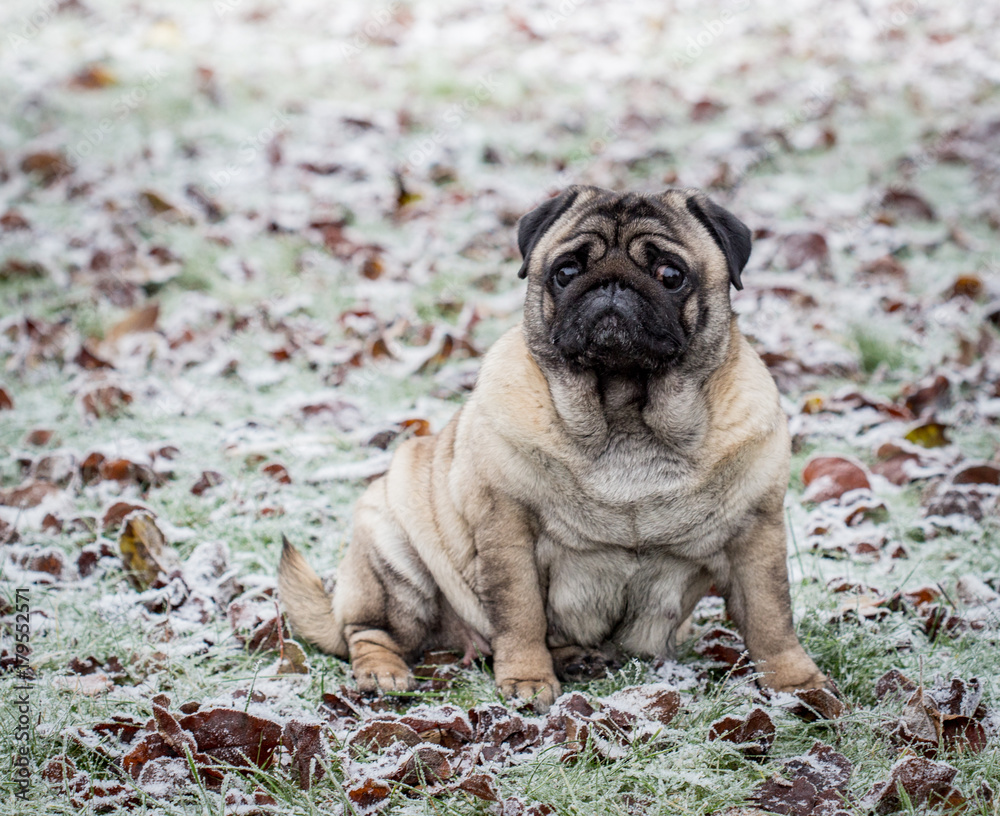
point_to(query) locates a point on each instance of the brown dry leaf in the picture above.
(93, 77)
(819, 703)
(724, 646)
(924, 781)
(85, 358)
(970, 286)
(425, 765)
(929, 435)
(6, 403)
(304, 743)
(124, 471)
(799, 248)
(377, 735)
(369, 792)
(897, 468)
(144, 550)
(705, 110)
(278, 472)
(754, 733)
(208, 480)
(482, 786)
(49, 165)
(89, 685)
(830, 477)
(886, 265)
(39, 437)
(502, 730)
(921, 399)
(908, 204)
(234, 737)
(293, 659)
(416, 426)
(105, 400)
(30, 494)
(445, 725)
(116, 513)
(814, 784)
(138, 320)
(977, 474)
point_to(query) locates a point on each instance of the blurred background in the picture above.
(267, 234)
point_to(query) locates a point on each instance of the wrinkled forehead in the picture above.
(634, 225)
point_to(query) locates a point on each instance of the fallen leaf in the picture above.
(303, 741)
(969, 286)
(723, 646)
(799, 248)
(86, 359)
(39, 436)
(138, 320)
(753, 734)
(6, 403)
(144, 550)
(929, 435)
(208, 480)
(830, 477)
(921, 399)
(105, 400)
(908, 204)
(814, 784)
(977, 474)
(923, 781)
(278, 472)
(93, 77)
(898, 468)
(369, 792)
(116, 513)
(48, 165)
(30, 494)
(482, 786)
(819, 703)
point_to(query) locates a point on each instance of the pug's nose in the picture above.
(611, 287)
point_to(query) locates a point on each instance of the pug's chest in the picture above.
(641, 495)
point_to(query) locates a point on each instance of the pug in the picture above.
(623, 451)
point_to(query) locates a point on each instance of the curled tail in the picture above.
(307, 604)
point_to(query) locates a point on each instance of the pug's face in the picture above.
(629, 283)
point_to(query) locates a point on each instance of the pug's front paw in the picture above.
(540, 692)
(790, 671)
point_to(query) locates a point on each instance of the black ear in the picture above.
(731, 234)
(534, 225)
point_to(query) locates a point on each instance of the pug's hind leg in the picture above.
(377, 662)
(386, 598)
(575, 664)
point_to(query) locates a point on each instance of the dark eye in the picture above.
(565, 274)
(671, 278)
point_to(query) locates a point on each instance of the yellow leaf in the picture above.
(931, 435)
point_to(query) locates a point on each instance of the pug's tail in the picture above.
(309, 607)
